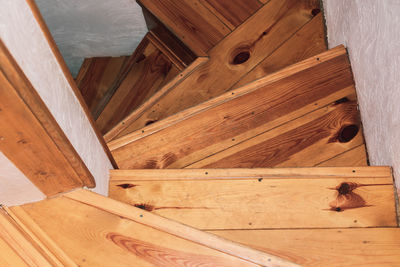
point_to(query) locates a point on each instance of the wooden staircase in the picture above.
(239, 143)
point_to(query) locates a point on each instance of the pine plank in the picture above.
(151, 71)
(256, 120)
(27, 251)
(122, 176)
(190, 21)
(23, 92)
(305, 43)
(97, 77)
(354, 157)
(326, 247)
(234, 12)
(267, 202)
(8, 257)
(118, 130)
(124, 129)
(234, 57)
(27, 143)
(84, 224)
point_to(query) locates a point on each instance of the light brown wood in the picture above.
(10, 233)
(69, 77)
(122, 176)
(8, 257)
(326, 247)
(354, 157)
(176, 229)
(39, 236)
(190, 21)
(264, 202)
(305, 43)
(30, 103)
(233, 57)
(120, 127)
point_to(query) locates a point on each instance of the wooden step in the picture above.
(211, 199)
(97, 231)
(253, 42)
(301, 116)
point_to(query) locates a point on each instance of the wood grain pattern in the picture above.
(151, 71)
(190, 21)
(233, 57)
(354, 157)
(256, 120)
(233, 12)
(326, 247)
(32, 139)
(8, 257)
(97, 77)
(266, 202)
(124, 128)
(305, 43)
(69, 78)
(75, 227)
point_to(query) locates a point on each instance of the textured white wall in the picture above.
(89, 28)
(23, 37)
(371, 31)
(15, 188)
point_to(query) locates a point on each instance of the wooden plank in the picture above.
(305, 43)
(234, 12)
(120, 176)
(260, 203)
(39, 236)
(354, 157)
(151, 71)
(30, 102)
(10, 233)
(303, 142)
(326, 247)
(162, 224)
(234, 57)
(8, 257)
(121, 126)
(257, 118)
(27, 143)
(97, 77)
(124, 129)
(190, 21)
(69, 77)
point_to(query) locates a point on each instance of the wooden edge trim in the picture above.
(177, 229)
(18, 214)
(257, 173)
(166, 51)
(245, 89)
(68, 76)
(16, 77)
(15, 238)
(113, 133)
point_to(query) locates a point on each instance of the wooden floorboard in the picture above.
(263, 202)
(233, 57)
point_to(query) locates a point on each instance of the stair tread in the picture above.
(253, 199)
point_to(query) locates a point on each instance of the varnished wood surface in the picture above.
(326, 247)
(150, 72)
(234, 12)
(353, 157)
(305, 43)
(263, 202)
(294, 121)
(190, 21)
(32, 139)
(83, 224)
(96, 79)
(233, 57)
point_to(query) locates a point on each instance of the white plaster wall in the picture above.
(371, 31)
(15, 188)
(89, 28)
(23, 37)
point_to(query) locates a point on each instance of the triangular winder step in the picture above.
(304, 115)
